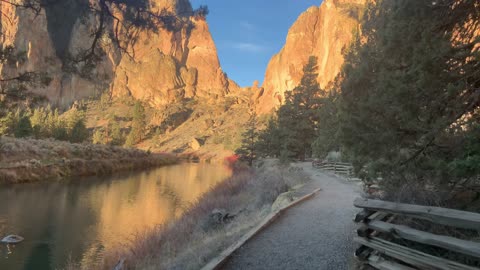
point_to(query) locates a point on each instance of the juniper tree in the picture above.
(248, 149)
(298, 117)
(137, 132)
(410, 94)
(23, 128)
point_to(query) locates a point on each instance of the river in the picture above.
(79, 219)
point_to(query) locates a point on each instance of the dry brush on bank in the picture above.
(29, 160)
(216, 221)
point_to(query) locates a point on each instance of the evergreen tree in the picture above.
(23, 128)
(38, 120)
(98, 137)
(298, 117)
(116, 134)
(137, 132)
(74, 121)
(59, 132)
(328, 126)
(7, 124)
(79, 132)
(292, 134)
(409, 98)
(269, 140)
(248, 149)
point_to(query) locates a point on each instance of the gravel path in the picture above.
(317, 234)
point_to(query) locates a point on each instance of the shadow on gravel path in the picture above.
(316, 234)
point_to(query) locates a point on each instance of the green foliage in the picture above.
(269, 142)
(466, 163)
(327, 133)
(98, 137)
(116, 134)
(137, 133)
(79, 132)
(294, 131)
(38, 120)
(248, 149)
(59, 132)
(105, 100)
(409, 98)
(44, 122)
(23, 128)
(8, 123)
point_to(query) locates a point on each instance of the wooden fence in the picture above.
(383, 243)
(342, 168)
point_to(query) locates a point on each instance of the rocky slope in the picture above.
(168, 65)
(323, 32)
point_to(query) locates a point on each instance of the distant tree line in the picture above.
(45, 122)
(406, 104)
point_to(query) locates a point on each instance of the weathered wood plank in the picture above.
(450, 243)
(362, 253)
(382, 264)
(364, 231)
(411, 256)
(361, 216)
(449, 217)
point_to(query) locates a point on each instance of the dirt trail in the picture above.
(316, 234)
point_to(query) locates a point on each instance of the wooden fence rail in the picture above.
(382, 243)
(342, 168)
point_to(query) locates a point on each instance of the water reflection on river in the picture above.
(80, 219)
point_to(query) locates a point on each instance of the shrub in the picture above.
(24, 128)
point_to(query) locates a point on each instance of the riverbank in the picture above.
(217, 220)
(31, 160)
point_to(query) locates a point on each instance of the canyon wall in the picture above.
(167, 66)
(323, 32)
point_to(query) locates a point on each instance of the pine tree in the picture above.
(409, 98)
(116, 134)
(328, 126)
(23, 128)
(98, 137)
(38, 120)
(7, 124)
(248, 149)
(79, 132)
(298, 117)
(292, 134)
(269, 140)
(137, 132)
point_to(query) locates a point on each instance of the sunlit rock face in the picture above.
(320, 31)
(43, 40)
(168, 65)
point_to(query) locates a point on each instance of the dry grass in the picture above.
(196, 237)
(28, 160)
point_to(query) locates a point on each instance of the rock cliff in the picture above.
(320, 31)
(42, 41)
(168, 65)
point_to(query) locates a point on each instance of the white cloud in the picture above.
(248, 47)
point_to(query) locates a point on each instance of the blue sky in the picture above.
(248, 33)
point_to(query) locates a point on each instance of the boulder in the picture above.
(195, 144)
